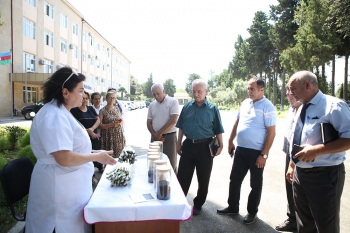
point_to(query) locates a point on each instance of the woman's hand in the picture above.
(105, 158)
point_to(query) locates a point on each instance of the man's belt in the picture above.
(196, 141)
(318, 169)
(166, 134)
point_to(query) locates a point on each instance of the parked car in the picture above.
(142, 104)
(26, 110)
(130, 105)
(147, 104)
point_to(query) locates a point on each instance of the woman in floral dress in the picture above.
(112, 137)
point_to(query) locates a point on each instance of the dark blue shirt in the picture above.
(199, 122)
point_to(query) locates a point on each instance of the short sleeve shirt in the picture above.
(200, 122)
(160, 113)
(253, 120)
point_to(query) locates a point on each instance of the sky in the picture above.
(173, 39)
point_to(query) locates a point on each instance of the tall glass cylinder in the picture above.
(157, 163)
(150, 166)
(163, 181)
(160, 143)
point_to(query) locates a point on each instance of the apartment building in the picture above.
(45, 35)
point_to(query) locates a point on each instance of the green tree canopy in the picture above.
(189, 83)
(147, 87)
(169, 87)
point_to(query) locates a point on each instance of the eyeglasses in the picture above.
(85, 98)
(111, 98)
(73, 72)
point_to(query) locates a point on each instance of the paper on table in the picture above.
(142, 197)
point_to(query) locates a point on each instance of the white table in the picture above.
(112, 209)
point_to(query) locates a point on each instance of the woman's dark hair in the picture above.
(52, 88)
(87, 93)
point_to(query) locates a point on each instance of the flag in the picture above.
(5, 58)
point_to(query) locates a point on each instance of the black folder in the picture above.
(213, 147)
(328, 133)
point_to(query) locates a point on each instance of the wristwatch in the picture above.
(264, 156)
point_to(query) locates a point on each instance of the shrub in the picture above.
(14, 133)
(25, 140)
(3, 161)
(4, 143)
(27, 152)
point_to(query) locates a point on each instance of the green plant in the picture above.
(3, 161)
(4, 143)
(27, 152)
(25, 140)
(14, 133)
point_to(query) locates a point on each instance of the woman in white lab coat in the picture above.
(61, 181)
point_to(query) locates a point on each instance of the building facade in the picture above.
(45, 35)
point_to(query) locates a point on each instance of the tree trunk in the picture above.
(345, 86)
(333, 76)
(269, 91)
(283, 89)
(275, 84)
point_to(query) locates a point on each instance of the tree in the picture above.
(169, 87)
(238, 67)
(189, 83)
(122, 90)
(133, 85)
(147, 87)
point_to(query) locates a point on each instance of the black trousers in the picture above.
(195, 156)
(317, 199)
(289, 191)
(245, 160)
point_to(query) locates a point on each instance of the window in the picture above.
(63, 20)
(28, 28)
(75, 51)
(63, 47)
(48, 68)
(75, 29)
(98, 63)
(103, 67)
(92, 41)
(31, 94)
(98, 46)
(48, 9)
(92, 79)
(98, 81)
(84, 56)
(28, 62)
(84, 36)
(103, 49)
(49, 38)
(32, 2)
(92, 61)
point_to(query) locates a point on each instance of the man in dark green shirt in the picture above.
(199, 121)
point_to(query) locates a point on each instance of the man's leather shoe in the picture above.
(226, 210)
(249, 218)
(287, 226)
(196, 210)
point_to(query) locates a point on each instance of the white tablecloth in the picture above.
(113, 204)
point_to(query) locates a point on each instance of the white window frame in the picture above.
(63, 20)
(32, 2)
(29, 64)
(48, 68)
(84, 36)
(75, 29)
(98, 46)
(92, 61)
(84, 57)
(48, 38)
(29, 29)
(92, 41)
(75, 51)
(92, 79)
(49, 10)
(63, 46)
(31, 94)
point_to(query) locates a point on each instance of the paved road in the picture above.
(272, 209)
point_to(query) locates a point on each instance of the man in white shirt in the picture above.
(96, 102)
(161, 119)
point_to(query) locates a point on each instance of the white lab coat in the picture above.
(58, 194)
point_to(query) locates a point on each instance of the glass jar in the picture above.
(150, 166)
(163, 182)
(157, 163)
(160, 143)
(158, 149)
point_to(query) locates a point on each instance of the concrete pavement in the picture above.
(272, 209)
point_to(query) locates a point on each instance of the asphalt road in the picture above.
(272, 209)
